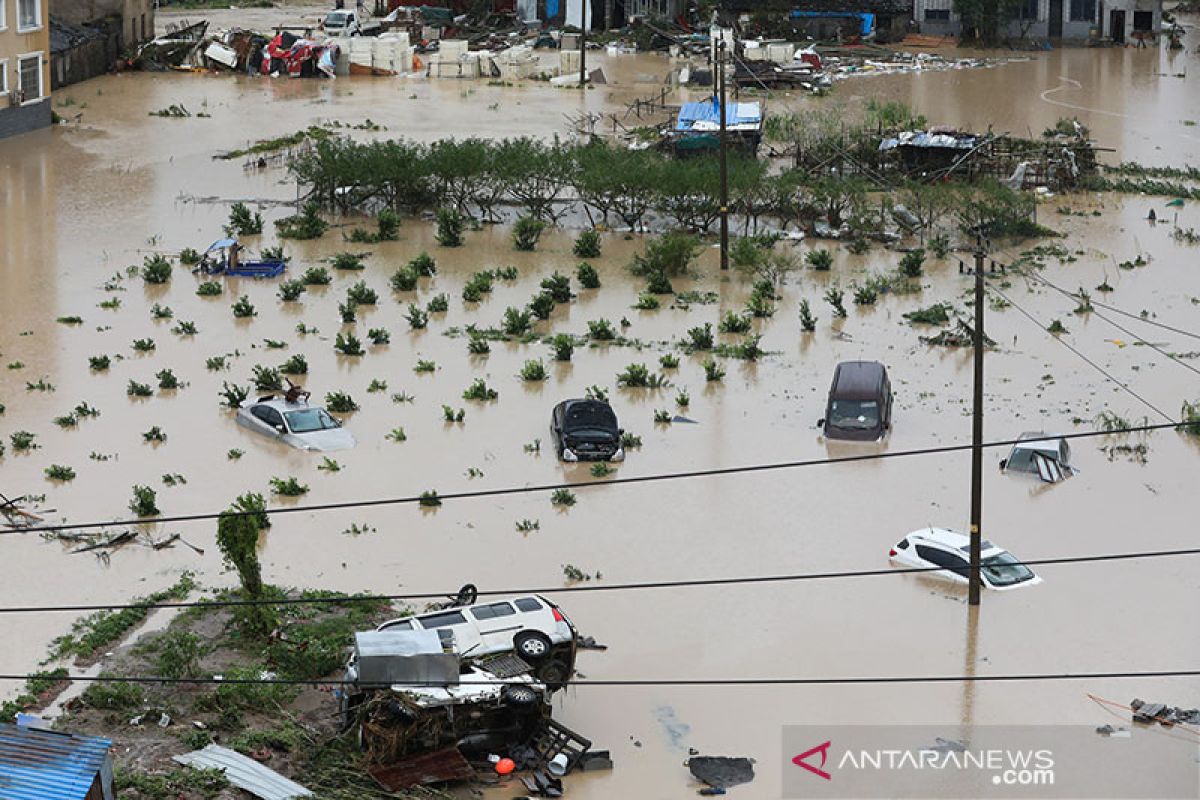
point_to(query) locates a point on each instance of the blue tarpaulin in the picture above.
(866, 20)
(704, 115)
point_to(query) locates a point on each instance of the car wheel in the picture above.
(554, 674)
(532, 646)
(519, 696)
(467, 595)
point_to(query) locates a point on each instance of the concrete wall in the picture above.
(137, 16)
(15, 42)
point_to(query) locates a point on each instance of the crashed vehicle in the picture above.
(586, 430)
(951, 550)
(1048, 458)
(294, 422)
(477, 678)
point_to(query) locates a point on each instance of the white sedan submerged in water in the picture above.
(295, 423)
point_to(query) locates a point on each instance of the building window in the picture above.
(29, 77)
(3, 72)
(1028, 10)
(1083, 10)
(29, 15)
(937, 15)
(3, 15)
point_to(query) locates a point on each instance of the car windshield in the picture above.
(590, 418)
(1004, 570)
(336, 20)
(854, 414)
(309, 420)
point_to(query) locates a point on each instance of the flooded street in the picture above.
(84, 201)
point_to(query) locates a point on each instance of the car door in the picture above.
(267, 419)
(497, 624)
(953, 566)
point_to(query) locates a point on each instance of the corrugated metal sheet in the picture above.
(48, 765)
(707, 112)
(244, 773)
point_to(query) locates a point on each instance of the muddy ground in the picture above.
(84, 201)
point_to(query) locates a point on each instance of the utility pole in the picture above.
(723, 149)
(583, 20)
(977, 436)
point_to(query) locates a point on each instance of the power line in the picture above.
(549, 487)
(772, 681)
(1115, 324)
(586, 588)
(1077, 352)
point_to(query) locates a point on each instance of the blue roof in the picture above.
(866, 19)
(708, 111)
(221, 244)
(48, 765)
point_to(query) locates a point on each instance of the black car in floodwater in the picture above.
(586, 430)
(860, 402)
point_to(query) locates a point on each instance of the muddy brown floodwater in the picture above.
(83, 201)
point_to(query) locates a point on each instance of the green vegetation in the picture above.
(296, 364)
(305, 225)
(587, 276)
(100, 631)
(451, 415)
(209, 289)
(243, 222)
(156, 269)
(526, 232)
(542, 305)
(700, 337)
(533, 371)
(59, 472)
(563, 498)
(99, 363)
(732, 322)
(587, 245)
(479, 390)
(450, 227)
(234, 395)
(438, 304)
(348, 344)
(713, 371)
(564, 346)
(288, 487)
(243, 308)
(349, 262)
(601, 330)
(167, 379)
(821, 260)
(340, 403)
(290, 290)
(155, 435)
(912, 263)
(516, 322)
(379, 336)
(425, 365)
(936, 314)
(136, 389)
(417, 318)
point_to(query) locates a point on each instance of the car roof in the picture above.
(281, 405)
(1037, 440)
(857, 380)
(950, 538)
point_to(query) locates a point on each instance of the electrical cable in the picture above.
(1076, 351)
(549, 487)
(1115, 324)
(583, 588)
(774, 681)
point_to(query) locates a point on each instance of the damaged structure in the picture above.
(470, 683)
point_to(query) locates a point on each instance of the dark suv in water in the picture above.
(860, 402)
(586, 430)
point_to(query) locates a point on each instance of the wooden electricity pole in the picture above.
(723, 151)
(977, 437)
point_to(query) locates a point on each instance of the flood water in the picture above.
(84, 201)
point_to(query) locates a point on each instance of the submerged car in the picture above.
(860, 402)
(1048, 458)
(951, 550)
(295, 423)
(586, 430)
